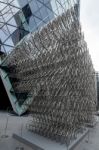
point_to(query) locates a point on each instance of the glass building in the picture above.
(19, 17)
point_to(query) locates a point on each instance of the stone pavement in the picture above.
(9, 125)
(91, 142)
(14, 124)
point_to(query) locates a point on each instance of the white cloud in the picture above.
(90, 25)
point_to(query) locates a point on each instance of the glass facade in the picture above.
(19, 17)
(11, 24)
(36, 12)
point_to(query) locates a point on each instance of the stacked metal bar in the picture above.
(54, 66)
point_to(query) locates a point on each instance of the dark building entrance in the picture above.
(4, 100)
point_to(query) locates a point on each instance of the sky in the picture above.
(89, 17)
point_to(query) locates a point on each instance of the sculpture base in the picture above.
(38, 142)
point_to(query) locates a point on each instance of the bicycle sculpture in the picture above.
(54, 66)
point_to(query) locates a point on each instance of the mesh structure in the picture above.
(97, 80)
(53, 65)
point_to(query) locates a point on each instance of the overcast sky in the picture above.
(90, 26)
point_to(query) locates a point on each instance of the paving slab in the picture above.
(13, 124)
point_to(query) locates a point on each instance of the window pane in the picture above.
(12, 22)
(44, 12)
(9, 42)
(11, 28)
(33, 5)
(32, 23)
(27, 12)
(22, 3)
(4, 33)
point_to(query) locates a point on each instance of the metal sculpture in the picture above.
(54, 67)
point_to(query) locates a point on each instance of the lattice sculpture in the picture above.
(54, 66)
